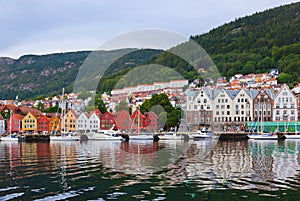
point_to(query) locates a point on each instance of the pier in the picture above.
(34, 138)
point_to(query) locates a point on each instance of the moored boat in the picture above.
(63, 137)
(170, 136)
(204, 133)
(292, 136)
(102, 135)
(263, 136)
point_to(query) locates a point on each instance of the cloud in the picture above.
(79, 24)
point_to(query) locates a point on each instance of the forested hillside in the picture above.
(258, 43)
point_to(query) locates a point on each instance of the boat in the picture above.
(9, 138)
(64, 136)
(170, 136)
(260, 134)
(141, 137)
(293, 136)
(104, 135)
(204, 133)
(263, 136)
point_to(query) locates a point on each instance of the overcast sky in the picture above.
(47, 26)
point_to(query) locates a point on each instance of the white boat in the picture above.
(9, 138)
(140, 137)
(64, 137)
(293, 136)
(204, 133)
(104, 135)
(170, 136)
(263, 136)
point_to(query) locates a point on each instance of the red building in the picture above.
(14, 123)
(123, 120)
(43, 124)
(107, 121)
(151, 121)
(138, 121)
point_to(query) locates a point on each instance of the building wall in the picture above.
(29, 123)
(285, 106)
(69, 122)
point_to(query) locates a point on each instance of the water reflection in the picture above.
(69, 169)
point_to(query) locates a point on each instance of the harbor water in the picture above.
(146, 170)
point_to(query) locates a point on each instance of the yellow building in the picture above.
(69, 122)
(29, 123)
(55, 123)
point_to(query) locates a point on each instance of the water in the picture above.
(175, 170)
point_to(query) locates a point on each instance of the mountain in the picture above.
(251, 44)
(257, 43)
(46, 75)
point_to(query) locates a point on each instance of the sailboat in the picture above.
(260, 135)
(293, 136)
(140, 136)
(63, 136)
(10, 137)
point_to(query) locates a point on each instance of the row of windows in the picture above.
(278, 118)
(286, 99)
(235, 119)
(285, 105)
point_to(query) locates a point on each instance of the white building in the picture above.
(82, 122)
(199, 107)
(285, 106)
(2, 125)
(94, 122)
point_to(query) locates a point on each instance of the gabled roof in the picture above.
(232, 93)
(252, 93)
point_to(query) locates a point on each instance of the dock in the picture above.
(34, 138)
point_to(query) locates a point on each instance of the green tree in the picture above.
(40, 106)
(284, 78)
(123, 105)
(53, 109)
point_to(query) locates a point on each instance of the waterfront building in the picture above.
(241, 109)
(123, 120)
(107, 121)
(151, 122)
(55, 124)
(94, 121)
(222, 112)
(285, 107)
(2, 125)
(138, 121)
(14, 123)
(83, 123)
(69, 124)
(29, 123)
(43, 124)
(199, 106)
(262, 105)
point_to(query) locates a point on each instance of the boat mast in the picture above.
(62, 110)
(10, 126)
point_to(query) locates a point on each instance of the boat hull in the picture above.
(292, 136)
(263, 137)
(9, 139)
(141, 137)
(103, 137)
(64, 138)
